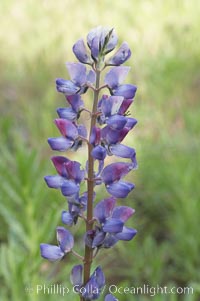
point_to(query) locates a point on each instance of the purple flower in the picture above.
(121, 56)
(110, 228)
(81, 53)
(114, 79)
(71, 113)
(71, 135)
(92, 289)
(65, 241)
(101, 41)
(111, 176)
(69, 176)
(76, 276)
(76, 206)
(79, 80)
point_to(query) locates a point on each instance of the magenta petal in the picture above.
(51, 252)
(65, 239)
(113, 225)
(120, 189)
(58, 162)
(123, 213)
(104, 209)
(54, 181)
(116, 76)
(124, 106)
(66, 128)
(60, 143)
(95, 136)
(126, 234)
(73, 171)
(77, 275)
(115, 171)
(77, 72)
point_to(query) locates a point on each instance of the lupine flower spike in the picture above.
(105, 221)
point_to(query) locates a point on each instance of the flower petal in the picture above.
(65, 239)
(54, 181)
(124, 106)
(58, 162)
(121, 56)
(99, 276)
(110, 297)
(127, 91)
(109, 241)
(116, 122)
(91, 290)
(113, 225)
(73, 171)
(91, 77)
(77, 275)
(80, 52)
(82, 131)
(98, 239)
(95, 136)
(122, 151)
(69, 188)
(99, 152)
(60, 143)
(77, 72)
(67, 113)
(67, 128)
(123, 213)
(116, 76)
(112, 136)
(51, 252)
(104, 208)
(120, 189)
(115, 171)
(66, 86)
(110, 105)
(126, 234)
(76, 102)
(66, 218)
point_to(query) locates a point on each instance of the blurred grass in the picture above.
(36, 38)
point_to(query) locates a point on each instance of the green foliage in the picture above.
(36, 39)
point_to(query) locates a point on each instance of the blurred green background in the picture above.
(36, 37)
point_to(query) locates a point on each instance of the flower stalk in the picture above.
(90, 183)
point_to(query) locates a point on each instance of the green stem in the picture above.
(90, 185)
